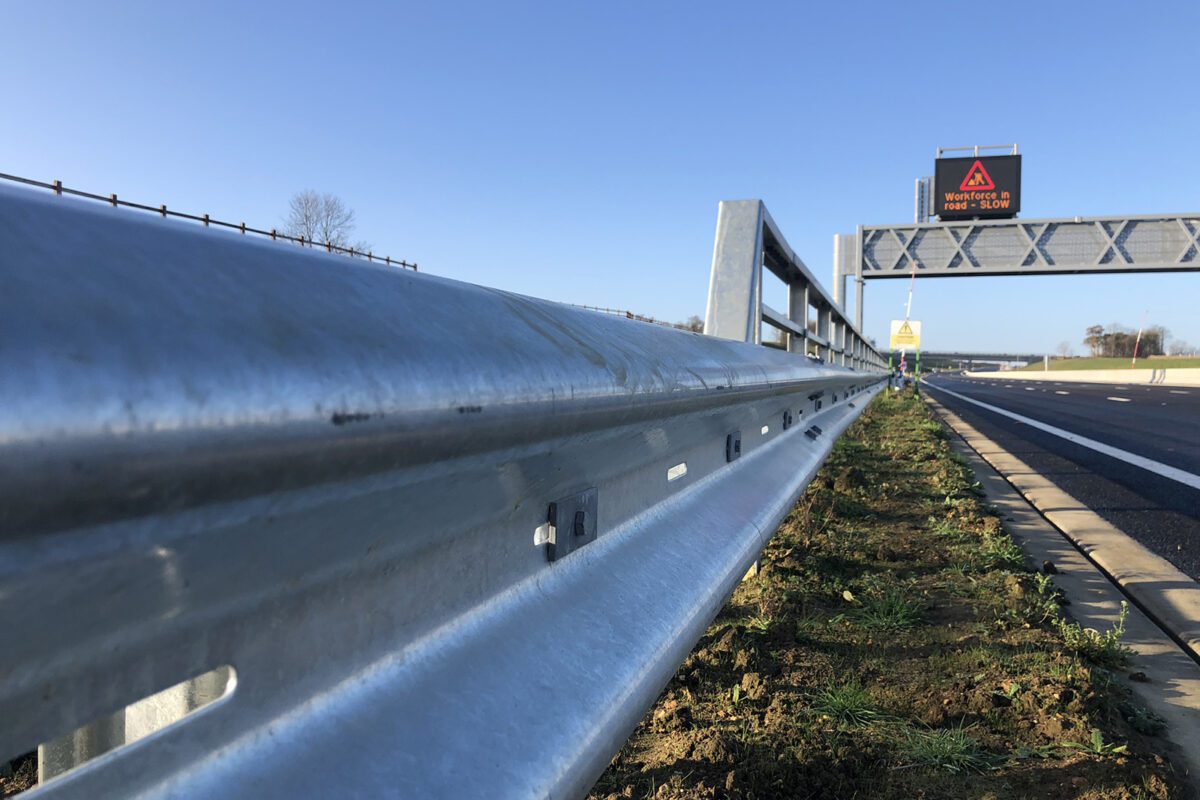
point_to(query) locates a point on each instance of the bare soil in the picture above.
(18, 775)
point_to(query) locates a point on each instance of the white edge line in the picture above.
(1157, 467)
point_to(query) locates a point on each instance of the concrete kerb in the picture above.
(1154, 583)
(1173, 687)
(1129, 377)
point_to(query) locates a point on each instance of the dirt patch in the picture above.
(895, 645)
(18, 775)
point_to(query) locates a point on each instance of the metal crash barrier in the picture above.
(264, 509)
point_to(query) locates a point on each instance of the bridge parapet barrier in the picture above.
(451, 539)
(748, 242)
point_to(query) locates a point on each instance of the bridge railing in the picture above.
(444, 540)
(204, 219)
(749, 242)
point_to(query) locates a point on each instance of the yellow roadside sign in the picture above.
(906, 334)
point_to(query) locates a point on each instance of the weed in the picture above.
(1143, 720)
(808, 626)
(889, 610)
(1039, 751)
(999, 552)
(849, 704)
(1067, 669)
(934, 428)
(944, 748)
(1100, 648)
(963, 567)
(1150, 787)
(948, 529)
(1033, 609)
(1044, 608)
(957, 582)
(1109, 693)
(1096, 745)
(1010, 692)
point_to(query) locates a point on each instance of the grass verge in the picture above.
(1151, 362)
(895, 645)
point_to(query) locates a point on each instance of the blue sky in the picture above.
(577, 151)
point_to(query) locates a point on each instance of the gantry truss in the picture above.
(1032, 247)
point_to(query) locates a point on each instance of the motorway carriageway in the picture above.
(1129, 453)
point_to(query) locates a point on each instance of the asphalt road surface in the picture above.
(1151, 493)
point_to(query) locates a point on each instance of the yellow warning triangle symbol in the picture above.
(905, 330)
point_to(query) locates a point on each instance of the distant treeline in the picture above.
(1117, 341)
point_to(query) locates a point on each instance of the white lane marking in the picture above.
(1008, 386)
(1177, 391)
(1118, 399)
(1157, 467)
(1029, 388)
(1061, 392)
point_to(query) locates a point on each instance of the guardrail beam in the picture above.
(335, 486)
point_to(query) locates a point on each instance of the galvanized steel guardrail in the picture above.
(420, 538)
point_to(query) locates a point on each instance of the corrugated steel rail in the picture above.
(438, 540)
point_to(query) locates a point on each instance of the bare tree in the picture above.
(322, 218)
(1180, 348)
(1064, 350)
(694, 323)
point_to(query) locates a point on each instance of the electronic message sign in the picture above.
(977, 186)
